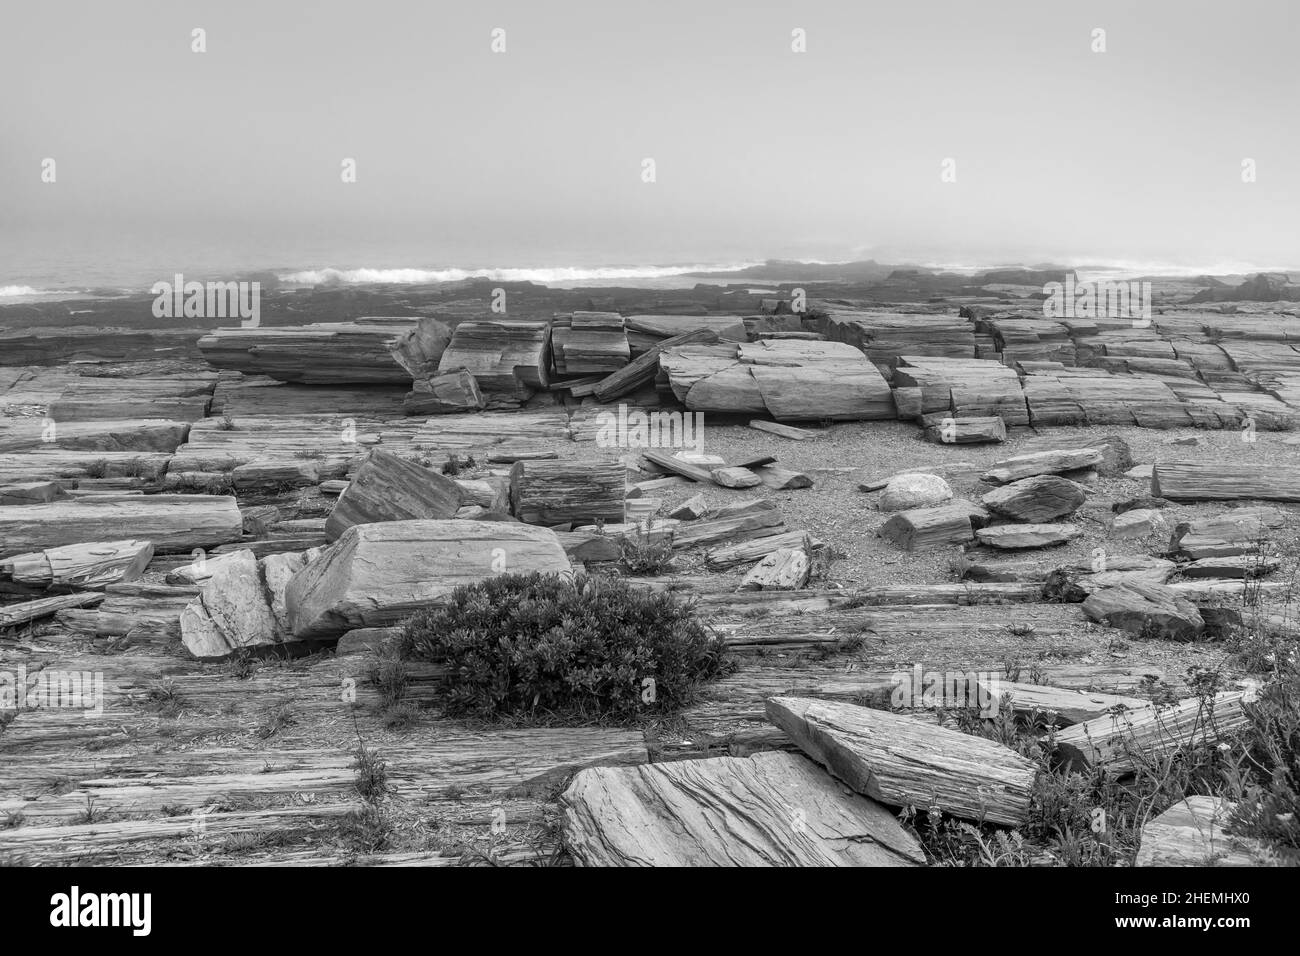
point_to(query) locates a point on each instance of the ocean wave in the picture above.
(542, 275)
(11, 291)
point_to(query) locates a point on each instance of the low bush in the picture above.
(646, 553)
(543, 648)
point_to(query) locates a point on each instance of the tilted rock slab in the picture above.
(93, 565)
(378, 574)
(771, 809)
(1145, 610)
(905, 762)
(1040, 498)
(389, 488)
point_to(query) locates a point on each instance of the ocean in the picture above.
(66, 267)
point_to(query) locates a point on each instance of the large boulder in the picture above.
(905, 492)
(378, 574)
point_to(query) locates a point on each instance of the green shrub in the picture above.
(541, 647)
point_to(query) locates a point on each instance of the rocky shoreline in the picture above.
(229, 526)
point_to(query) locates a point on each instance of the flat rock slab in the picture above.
(946, 430)
(772, 809)
(1064, 706)
(901, 761)
(378, 574)
(1042, 463)
(1191, 833)
(1036, 499)
(93, 565)
(11, 615)
(1215, 481)
(1011, 536)
(1235, 532)
(1113, 740)
(171, 523)
(29, 493)
(1234, 567)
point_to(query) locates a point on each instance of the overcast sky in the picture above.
(534, 156)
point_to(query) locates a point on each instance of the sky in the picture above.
(535, 155)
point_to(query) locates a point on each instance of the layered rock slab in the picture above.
(771, 809)
(901, 761)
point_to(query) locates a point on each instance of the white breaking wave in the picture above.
(9, 291)
(543, 275)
